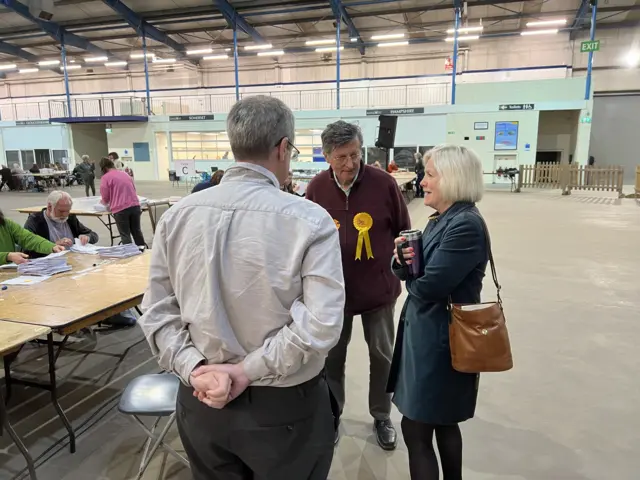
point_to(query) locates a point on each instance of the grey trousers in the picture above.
(378, 333)
(267, 433)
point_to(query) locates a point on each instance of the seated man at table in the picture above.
(57, 224)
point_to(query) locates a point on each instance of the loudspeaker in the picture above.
(387, 131)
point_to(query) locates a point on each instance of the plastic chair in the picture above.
(152, 395)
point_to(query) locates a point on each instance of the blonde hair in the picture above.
(460, 172)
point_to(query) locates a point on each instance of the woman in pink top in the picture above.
(119, 195)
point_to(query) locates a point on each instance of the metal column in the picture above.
(594, 11)
(338, 62)
(63, 52)
(146, 72)
(455, 55)
(235, 59)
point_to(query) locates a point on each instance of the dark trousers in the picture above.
(128, 223)
(90, 184)
(267, 433)
(378, 333)
(419, 189)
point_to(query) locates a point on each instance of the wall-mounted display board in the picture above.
(506, 136)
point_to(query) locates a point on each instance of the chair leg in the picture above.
(158, 441)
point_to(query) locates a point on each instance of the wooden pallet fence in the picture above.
(571, 177)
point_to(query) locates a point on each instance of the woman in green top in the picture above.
(12, 234)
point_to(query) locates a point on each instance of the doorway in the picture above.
(548, 157)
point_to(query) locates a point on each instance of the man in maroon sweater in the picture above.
(369, 211)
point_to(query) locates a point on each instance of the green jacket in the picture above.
(12, 234)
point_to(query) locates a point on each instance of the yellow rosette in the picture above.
(363, 223)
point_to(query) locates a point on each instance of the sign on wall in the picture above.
(32, 122)
(481, 125)
(517, 106)
(506, 136)
(395, 111)
(590, 46)
(189, 118)
(185, 167)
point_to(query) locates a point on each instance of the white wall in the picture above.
(121, 141)
(88, 139)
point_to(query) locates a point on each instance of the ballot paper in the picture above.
(89, 249)
(25, 280)
(46, 266)
(119, 251)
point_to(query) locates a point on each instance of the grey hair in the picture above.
(460, 172)
(57, 195)
(338, 134)
(85, 157)
(256, 124)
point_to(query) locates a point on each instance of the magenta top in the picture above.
(118, 191)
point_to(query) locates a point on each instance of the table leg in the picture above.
(109, 226)
(54, 393)
(6, 425)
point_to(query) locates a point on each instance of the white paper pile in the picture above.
(120, 251)
(77, 247)
(47, 266)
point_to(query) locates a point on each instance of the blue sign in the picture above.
(506, 136)
(317, 154)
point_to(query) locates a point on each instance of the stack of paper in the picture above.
(47, 266)
(120, 251)
(77, 247)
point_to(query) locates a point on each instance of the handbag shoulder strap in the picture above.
(494, 274)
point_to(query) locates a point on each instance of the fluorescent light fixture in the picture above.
(263, 46)
(328, 49)
(272, 53)
(388, 36)
(194, 133)
(354, 39)
(200, 51)
(227, 49)
(393, 44)
(164, 60)
(116, 64)
(479, 28)
(29, 70)
(49, 62)
(463, 38)
(540, 32)
(316, 132)
(72, 61)
(142, 55)
(71, 67)
(310, 43)
(632, 59)
(96, 59)
(547, 23)
(8, 66)
(215, 57)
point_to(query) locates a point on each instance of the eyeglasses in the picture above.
(355, 158)
(295, 153)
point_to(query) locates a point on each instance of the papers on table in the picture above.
(8, 266)
(77, 247)
(25, 280)
(120, 251)
(47, 266)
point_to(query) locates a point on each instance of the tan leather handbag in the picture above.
(478, 335)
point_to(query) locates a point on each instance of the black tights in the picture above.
(423, 463)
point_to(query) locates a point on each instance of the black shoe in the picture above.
(385, 434)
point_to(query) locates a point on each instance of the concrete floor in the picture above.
(567, 411)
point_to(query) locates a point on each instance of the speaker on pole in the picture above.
(387, 131)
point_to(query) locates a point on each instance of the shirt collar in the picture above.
(350, 186)
(238, 167)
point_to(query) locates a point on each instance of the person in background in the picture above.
(376, 164)
(369, 212)
(393, 167)
(119, 195)
(16, 170)
(430, 394)
(115, 158)
(212, 182)
(57, 224)
(87, 172)
(245, 298)
(6, 178)
(289, 186)
(419, 175)
(34, 168)
(12, 234)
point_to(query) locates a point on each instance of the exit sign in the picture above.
(590, 46)
(586, 119)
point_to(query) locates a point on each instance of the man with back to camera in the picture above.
(245, 299)
(369, 212)
(87, 172)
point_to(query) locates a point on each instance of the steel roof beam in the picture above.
(340, 12)
(235, 20)
(581, 14)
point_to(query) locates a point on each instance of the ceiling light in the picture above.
(632, 59)
(272, 53)
(164, 60)
(115, 64)
(319, 42)
(96, 59)
(462, 38)
(72, 61)
(49, 62)
(264, 46)
(142, 55)
(354, 39)
(215, 57)
(8, 66)
(393, 44)
(71, 67)
(200, 51)
(540, 32)
(388, 36)
(479, 28)
(29, 70)
(328, 49)
(547, 23)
